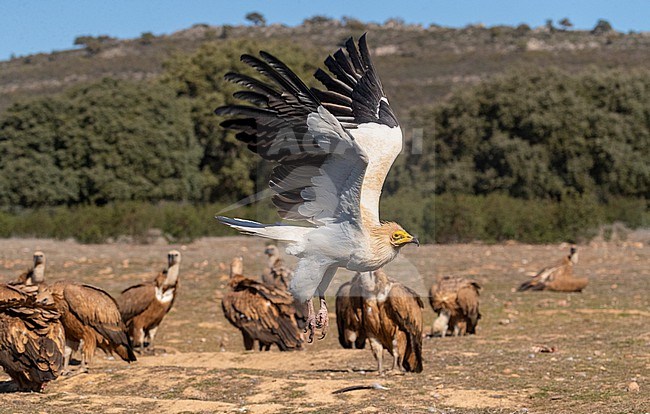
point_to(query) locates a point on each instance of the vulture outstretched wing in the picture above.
(334, 148)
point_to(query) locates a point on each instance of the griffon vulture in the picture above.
(260, 312)
(456, 301)
(348, 316)
(144, 305)
(91, 320)
(36, 274)
(333, 150)
(276, 273)
(32, 340)
(558, 278)
(392, 320)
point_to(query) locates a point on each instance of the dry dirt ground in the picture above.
(602, 338)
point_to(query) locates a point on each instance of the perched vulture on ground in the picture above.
(35, 275)
(89, 315)
(144, 305)
(32, 340)
(276, 273)
(392, 320)
(333, 148)
(456, 301)
(260, 312)
(91, 319)
(558, 278)
(348, 316)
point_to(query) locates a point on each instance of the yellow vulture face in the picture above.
(401, 237)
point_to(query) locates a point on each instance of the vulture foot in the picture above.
(310, 324)
(322, 318)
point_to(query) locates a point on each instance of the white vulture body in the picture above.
(333, 148)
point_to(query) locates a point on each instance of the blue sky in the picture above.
(32, 26)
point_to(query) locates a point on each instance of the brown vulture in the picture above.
(348, 316)
(260, 312)
(392, 320)
(32, 340)
(558, 277)
(276, 273)
(89, 315)
(456, 301)
(36, 274)
(91, 319)
(143, 306)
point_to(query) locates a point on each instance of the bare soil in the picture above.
(601, 337)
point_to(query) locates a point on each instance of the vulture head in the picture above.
(237, 266)
(173, 257)
(272, 250)
(573, 255)
(39, 269)
(391, 235)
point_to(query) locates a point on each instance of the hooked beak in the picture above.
(416, 241)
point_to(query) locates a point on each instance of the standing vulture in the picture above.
(558, 278)
(91, 319)
(143, 306)
(392, 320)
(36, 274)
(333, 149)
(32, 340)
(260, 312)
(89, 315)
(456, 301)
(348, 316)
(276, 274)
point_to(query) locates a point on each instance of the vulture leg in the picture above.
(140, 339)
(86, 351)
(378, 352)
(152, 335)
(322, 318)
(249, 342)
(310, 325)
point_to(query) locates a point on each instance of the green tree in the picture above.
(602, 26)
(257, 19)
(100, 143)
(565, 23)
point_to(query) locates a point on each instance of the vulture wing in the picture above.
(468, 300)
(97, 309)
(32, 339)
(135, 299)
(405, 307)
(322, 162)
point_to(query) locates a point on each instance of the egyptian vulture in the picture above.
(456, 301)
(262, 313)
(91, 319)
(36, 274)
(276, 273)
(348, 315)
(558, 278)
(333, 149)
(32, 340)
(143, 306)
(392, 320)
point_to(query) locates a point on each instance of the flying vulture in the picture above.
(455, 300)
(558, 278)
(333, 149)
(32, 340)
(348, 315)
(262, 313)
(276, 273)
(392, 320)
(143, 306)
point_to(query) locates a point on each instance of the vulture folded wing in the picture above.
(468, 300)
(96, 308)
(265, 321)
(405, 307)
(135, 299)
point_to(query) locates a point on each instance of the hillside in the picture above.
(418, 65)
